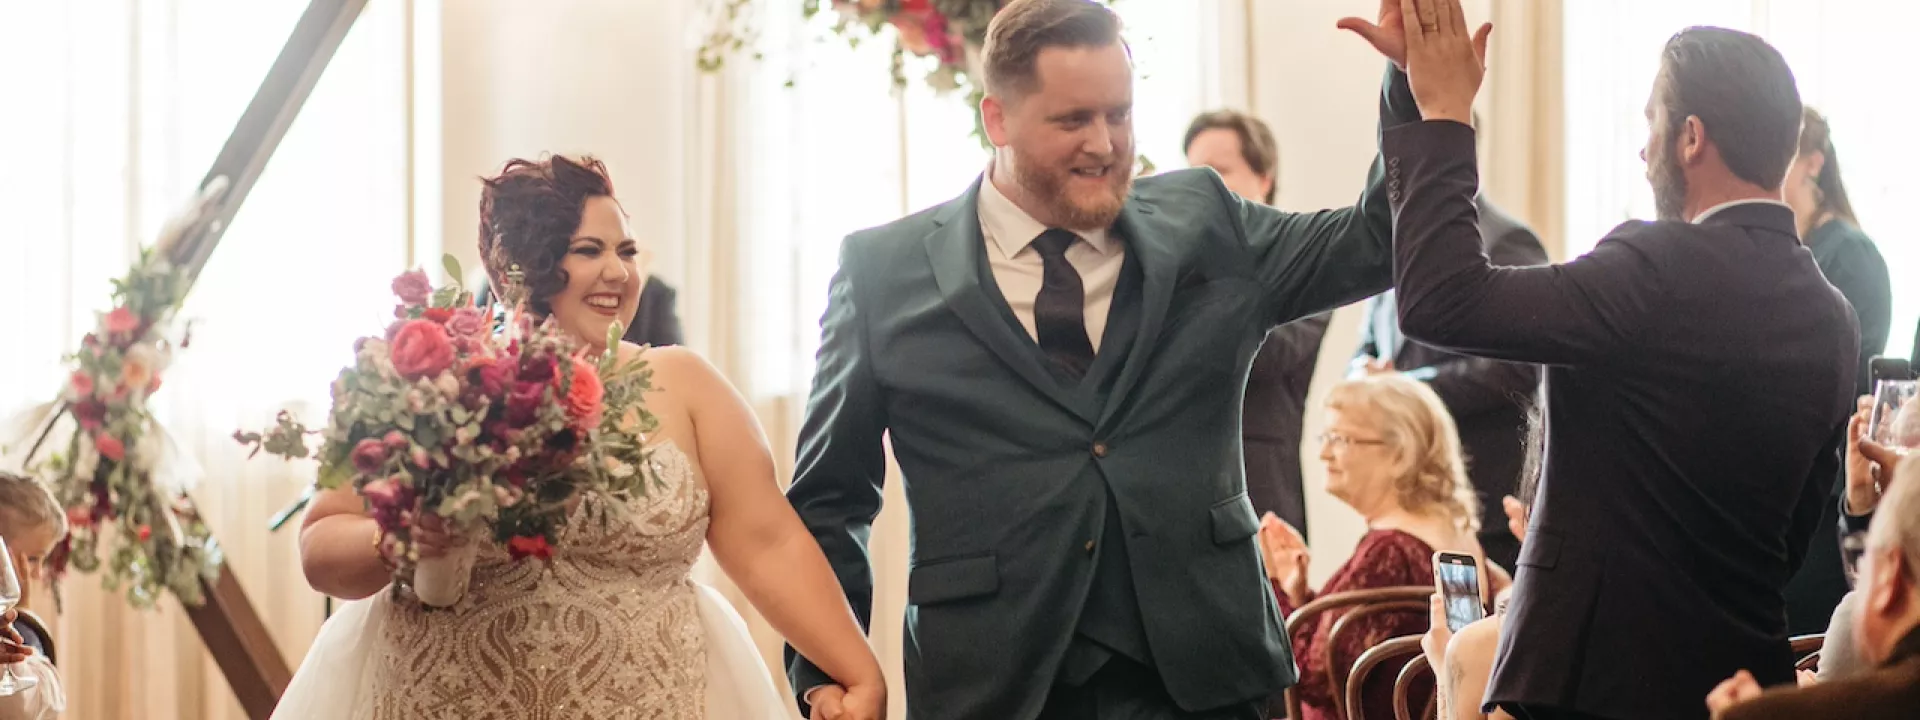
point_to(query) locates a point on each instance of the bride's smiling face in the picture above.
(605, 271)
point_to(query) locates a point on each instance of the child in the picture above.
(31, 522)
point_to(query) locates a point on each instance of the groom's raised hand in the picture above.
(1388, 35)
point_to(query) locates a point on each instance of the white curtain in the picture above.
(116, 110)
(1841, 51)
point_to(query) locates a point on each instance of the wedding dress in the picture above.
(613, 626)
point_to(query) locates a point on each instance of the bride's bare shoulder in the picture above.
(672, 362)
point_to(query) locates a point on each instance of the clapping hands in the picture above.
(1285, 553)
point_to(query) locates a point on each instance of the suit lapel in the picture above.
(956, 249)
(1157, 265)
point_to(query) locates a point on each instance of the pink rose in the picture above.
(395, 440)
(382, 493)
(110, 447)
(82, 385)
(492, 376)
(122, 322)
(369, 456)
(413, 288)
(421, 349)
(523, 403)
(583, 397)
(467, 323)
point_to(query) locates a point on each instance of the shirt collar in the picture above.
(1012, 229)
(1710, 212)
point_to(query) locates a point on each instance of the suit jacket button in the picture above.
(1089, 547)
(1099, 449)
(1393, 162)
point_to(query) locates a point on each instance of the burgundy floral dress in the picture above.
(1384, 558)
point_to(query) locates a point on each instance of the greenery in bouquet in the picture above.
(105, 476)
(493, 429)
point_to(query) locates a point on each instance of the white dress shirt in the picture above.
(1020, 272)
(1709, 212)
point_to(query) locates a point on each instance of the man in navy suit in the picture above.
(1058, 358)
(1700, 374)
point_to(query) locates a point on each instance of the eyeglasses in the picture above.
(1340, 442)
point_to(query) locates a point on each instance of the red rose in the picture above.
(146, 533)
(421, 349)
(439, 315)
(413, 288)
(523, 403)
(369, 456)
(521, 547)
(583, 398)
(110, 447)
(493, 376)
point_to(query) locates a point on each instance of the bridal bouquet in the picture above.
(489, 431)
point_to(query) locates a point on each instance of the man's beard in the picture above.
(1669, 185)
(1048, 186)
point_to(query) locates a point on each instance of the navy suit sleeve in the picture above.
(1470, 385)
(1450, 296)
(1814, 497)
(842, 464)
(1311, 262)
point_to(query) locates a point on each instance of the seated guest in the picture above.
(31, 521)
(1851, 262)
(1887, 630)
(1391, 453)
(1241, 148)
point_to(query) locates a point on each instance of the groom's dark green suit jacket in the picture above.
(1009, 468)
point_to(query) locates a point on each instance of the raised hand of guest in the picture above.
(1387, 36)
(1733, 691)
(1516, 516)
(1285, 552)
(1434, 643)
(1863, 491)
(1445, 65)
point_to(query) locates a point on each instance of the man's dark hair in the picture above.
(1023, 28)
(1742, 91)
(1257, 145)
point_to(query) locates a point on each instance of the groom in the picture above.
(1058, 358)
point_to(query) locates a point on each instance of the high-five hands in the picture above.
(1445, 64)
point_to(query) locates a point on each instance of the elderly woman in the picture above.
(1393, 455)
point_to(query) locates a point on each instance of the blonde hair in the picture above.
(1431, 472)
(26, 503)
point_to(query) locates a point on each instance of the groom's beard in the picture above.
(1055, 188)
(1669, 184)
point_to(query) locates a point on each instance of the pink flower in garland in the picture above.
(122, 322)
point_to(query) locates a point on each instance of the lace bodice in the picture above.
(608, 628)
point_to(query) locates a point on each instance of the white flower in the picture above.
(416, 402)
(447, 385)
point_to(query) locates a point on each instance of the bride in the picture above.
(612, 625)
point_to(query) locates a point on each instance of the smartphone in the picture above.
(1889, 368)
(1457, 577)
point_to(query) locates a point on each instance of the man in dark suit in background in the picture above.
(1241, 148)
(1699, 375)
(1488, 398)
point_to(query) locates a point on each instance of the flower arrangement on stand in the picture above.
(105, 476)
(491, 432)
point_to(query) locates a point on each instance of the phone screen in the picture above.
(1459, 581)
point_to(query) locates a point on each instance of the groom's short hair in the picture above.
(1023, 28)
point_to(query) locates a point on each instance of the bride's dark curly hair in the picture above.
(528, 214)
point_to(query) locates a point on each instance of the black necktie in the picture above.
(1059, 311)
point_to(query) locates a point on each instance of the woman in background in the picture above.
(1392, 454)
(31, 522)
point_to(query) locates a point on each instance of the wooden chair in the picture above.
(26, 617)
(1810, 662)
(1417, 676)
(1379, 666)
(1345, 627)
(1303, 616)
(1803, 644)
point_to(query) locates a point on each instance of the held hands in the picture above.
(1286, 556)
(860, 702)
(1733, 691)
(1445, 65)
